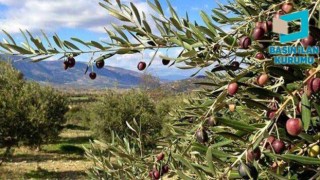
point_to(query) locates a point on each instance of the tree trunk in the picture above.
(5, 155)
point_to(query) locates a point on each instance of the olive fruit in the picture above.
(262, 79)
(151, 43)
(278, 146)
(216, 48)
(253, 154)
(258, 33)
(156, 174)
(71, 62)
(100, 64)
(262, 25)
(141, 66)
(308, 41)
(287, 7)
(260, 56)
(211, 121)
(299, 108)
(269, 26)
(235, 65)
(232, 88)
(165, 61)
(247, 171)
(165, 169)
(92, 75)
(202, 135)
(151, 174)
(294, 126)
(160, 156)
(271, 114)
(266, 26)
(245, 42)
(314, 151)
(314, 85)
(269, 142)
(66, 65)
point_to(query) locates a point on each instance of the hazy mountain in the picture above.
(52, 72)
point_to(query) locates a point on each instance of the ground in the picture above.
(63, 159)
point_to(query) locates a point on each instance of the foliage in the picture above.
(30, 114)
(45, 113)
(78, 114)
(85, 114)
(148, 81)
(115, 109)
(225, 142)
(12, 115)
(122, 158)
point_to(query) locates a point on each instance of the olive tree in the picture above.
(29, 113)
(257, 119)
(114, 110)
(45, 113)
(12, 115)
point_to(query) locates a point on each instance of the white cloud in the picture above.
(52, 15)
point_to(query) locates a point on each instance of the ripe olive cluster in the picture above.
(156, 173)
(70, 62)
(262, 28)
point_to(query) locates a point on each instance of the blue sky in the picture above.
(85, 19)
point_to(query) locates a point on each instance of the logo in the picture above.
(281, 26)
(293, 54)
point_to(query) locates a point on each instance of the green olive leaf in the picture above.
(306, 112)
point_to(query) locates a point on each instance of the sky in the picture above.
(86, 20)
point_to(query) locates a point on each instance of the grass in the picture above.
(63, 159)
(75, 127)
(45, 174)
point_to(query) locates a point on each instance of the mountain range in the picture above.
(53, 73)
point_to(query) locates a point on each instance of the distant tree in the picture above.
(148, 82)
(115, 109)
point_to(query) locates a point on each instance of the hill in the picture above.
(52, 72)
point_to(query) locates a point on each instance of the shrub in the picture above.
(12, 114)
(29, 114)
(78, 114)
(112, 112)
(46, 109)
